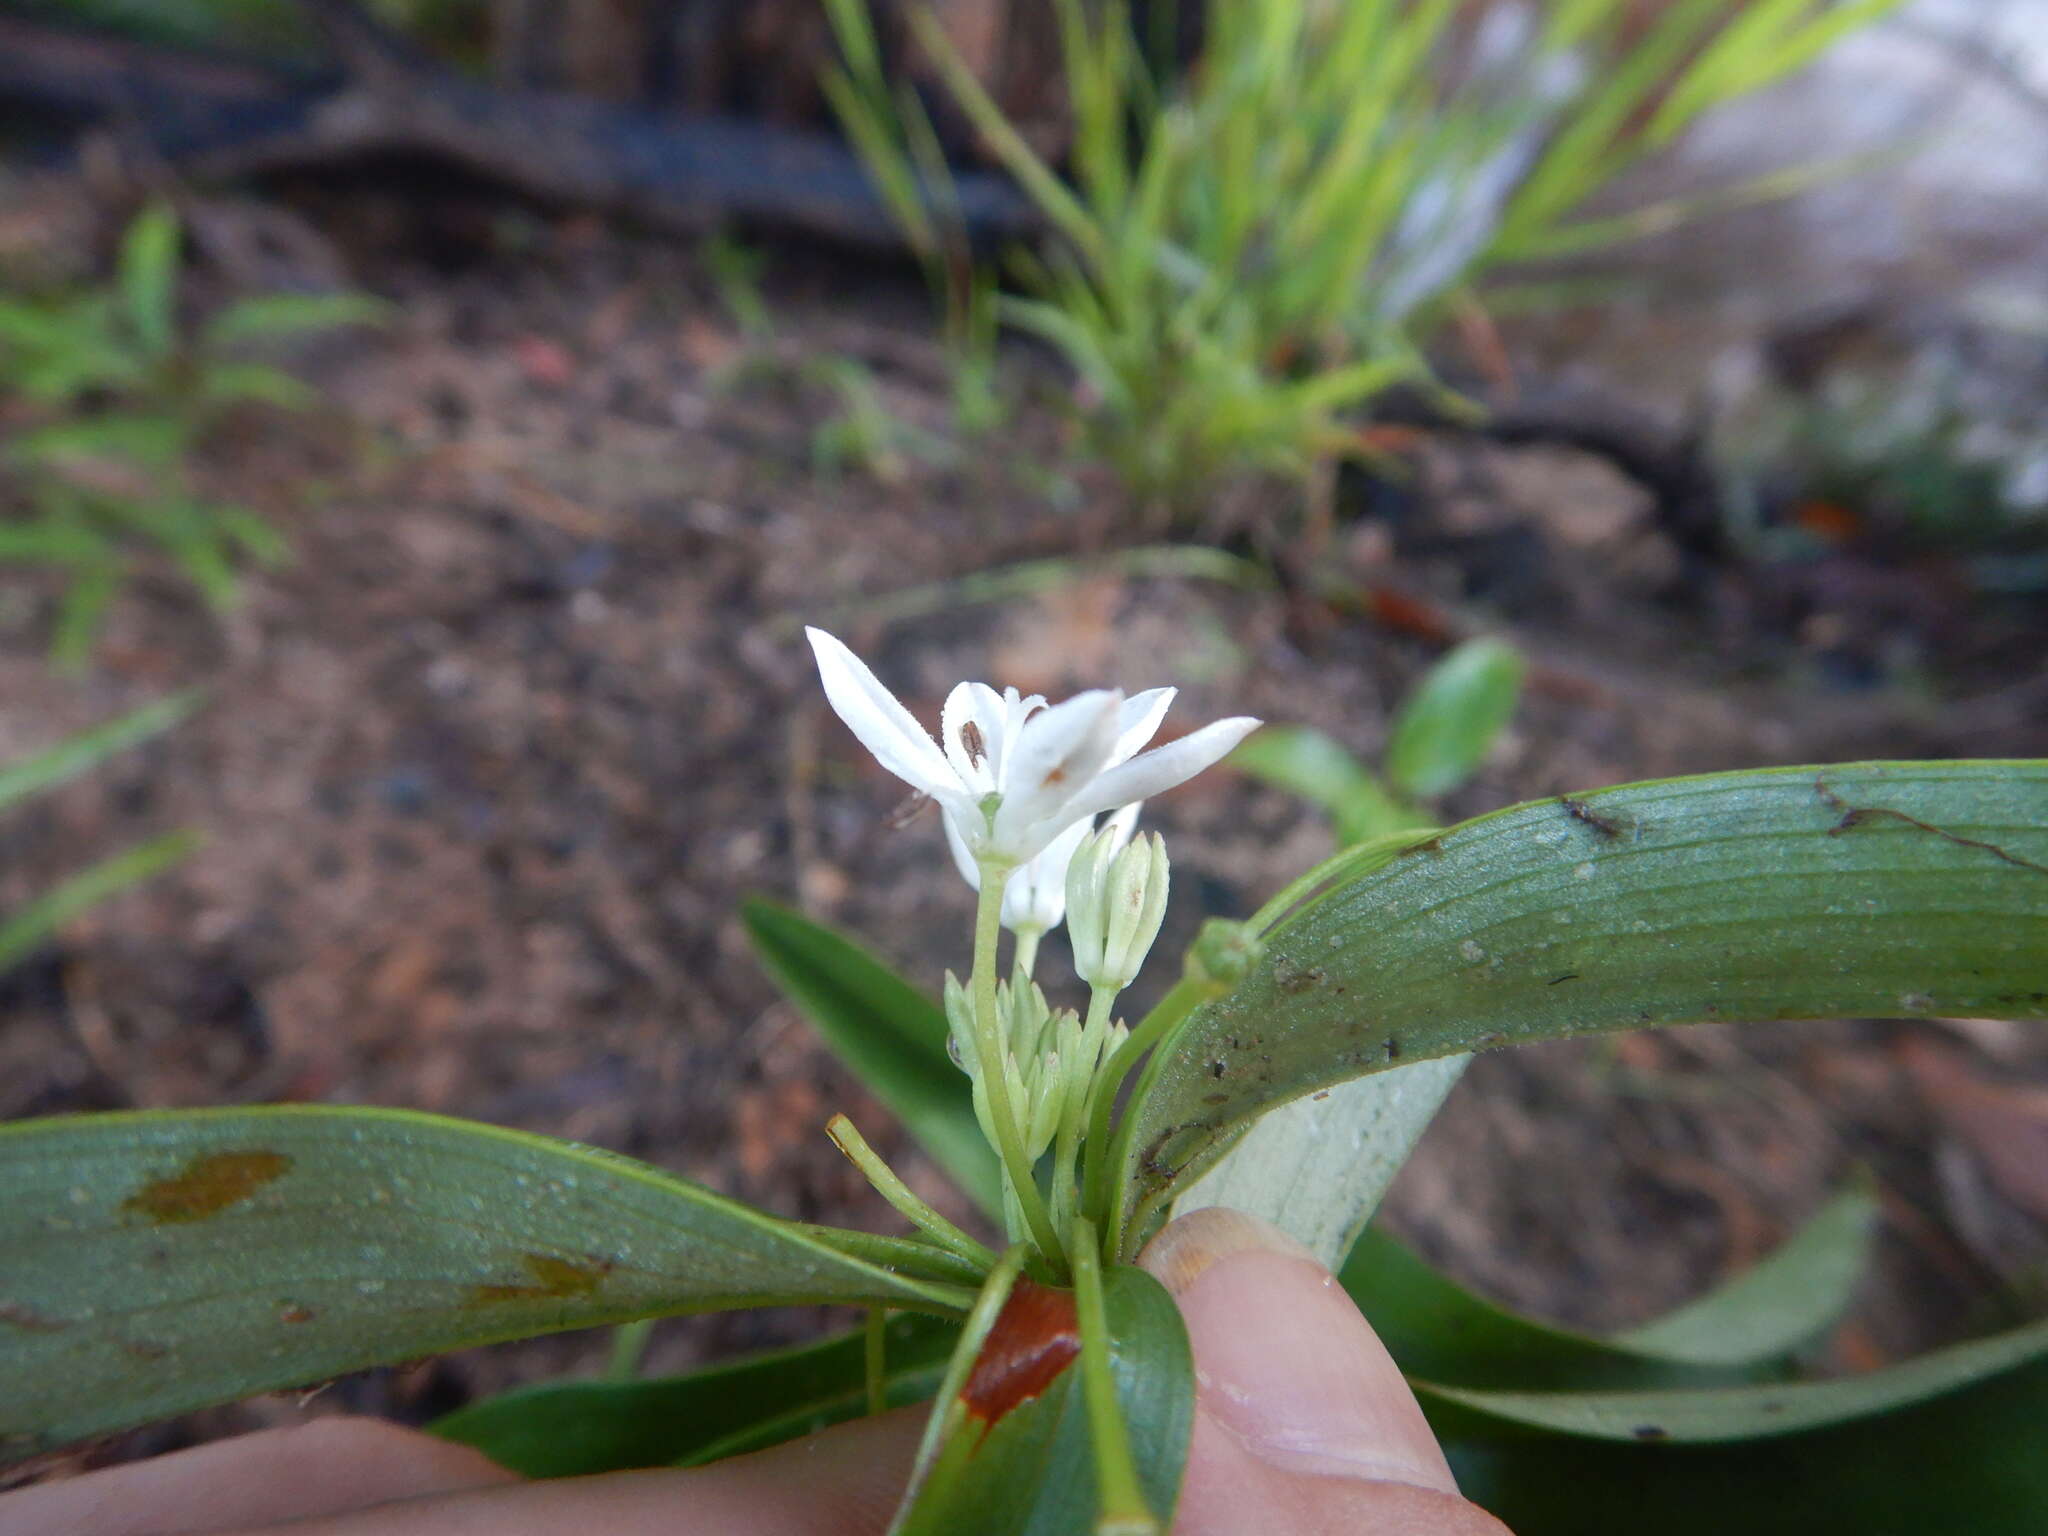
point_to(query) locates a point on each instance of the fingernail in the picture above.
(1283, 1358)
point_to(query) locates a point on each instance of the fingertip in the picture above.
(1284, 1361)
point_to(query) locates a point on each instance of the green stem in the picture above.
(1066, 1197)
(629, 1347)
(1099, 1167)
(848, 1139)
(992, 1049)
(1344, 863)
(1025, 958)
(1121, 1509)
(974, 1332)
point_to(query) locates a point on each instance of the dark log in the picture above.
(224, 119)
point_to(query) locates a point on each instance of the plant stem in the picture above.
(974, 1331)
(629, 1346)
(992, 1049)
(1121, 1509)
(1099, 1166)
(848, 1139)
(1344, 863)
(877, 1359)
(1025, 958)
(1066, 1199)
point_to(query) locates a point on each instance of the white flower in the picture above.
(1012, 773)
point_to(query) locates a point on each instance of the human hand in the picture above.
(1303, 1427)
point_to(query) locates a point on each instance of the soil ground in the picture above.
(484, 772)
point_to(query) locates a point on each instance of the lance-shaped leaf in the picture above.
(155, 1262)
(890, 1034)
(1968, 1461)
(1014, 1455)
(1781, 1303)
(1304, 761)
(1741, 1331)
(1445, 727)
(1885, 889)
(1708, 1415)
(575, 1428)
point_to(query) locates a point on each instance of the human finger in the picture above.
(327, 1466)
(1303, 1424)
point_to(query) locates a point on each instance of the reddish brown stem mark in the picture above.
(1036, 1336)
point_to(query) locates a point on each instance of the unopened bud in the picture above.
(1116, 900)
(1223, 954)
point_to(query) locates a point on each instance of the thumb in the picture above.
(1302, 1421)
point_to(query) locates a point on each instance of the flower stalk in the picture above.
(994, 1053)
(890, 1186)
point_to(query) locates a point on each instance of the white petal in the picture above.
(883, 726)
(1140, 718)
(1054, 757)
(963, 856)
(1037, 893)
(1163, 767)
(980, 706)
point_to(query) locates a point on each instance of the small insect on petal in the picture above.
(906, 810)
(977, 747)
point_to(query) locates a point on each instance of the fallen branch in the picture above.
(219, 119)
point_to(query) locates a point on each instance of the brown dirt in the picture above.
(484, 773)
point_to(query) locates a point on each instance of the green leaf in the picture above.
(81, 609)
(156, 1262)
(889, 1033)
(1967, 1462)
(1444, 729)
(148, 278)
(276, 316)
(1709, 1415)
(1283, 1169)
(1889, 889)
(1438, 1330)
(27, 927)
(231, 383)
(1782, 1303)
(88, 749)
(1025, 1467)
(1742, 1331)
(572, 1429)
(1305, 762)
(153, 442)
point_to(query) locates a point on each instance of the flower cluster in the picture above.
(1020, 785)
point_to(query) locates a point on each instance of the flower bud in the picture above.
(1116, 900)
(960, 1041)
(1223, 954)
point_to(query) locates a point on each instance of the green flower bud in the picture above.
(1223, 954)
(1116, 900)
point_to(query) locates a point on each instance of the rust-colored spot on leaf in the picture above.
(28, 1319)
(1035, 1337)
(553, 1279)
(208, 1185)
(293, 1312)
